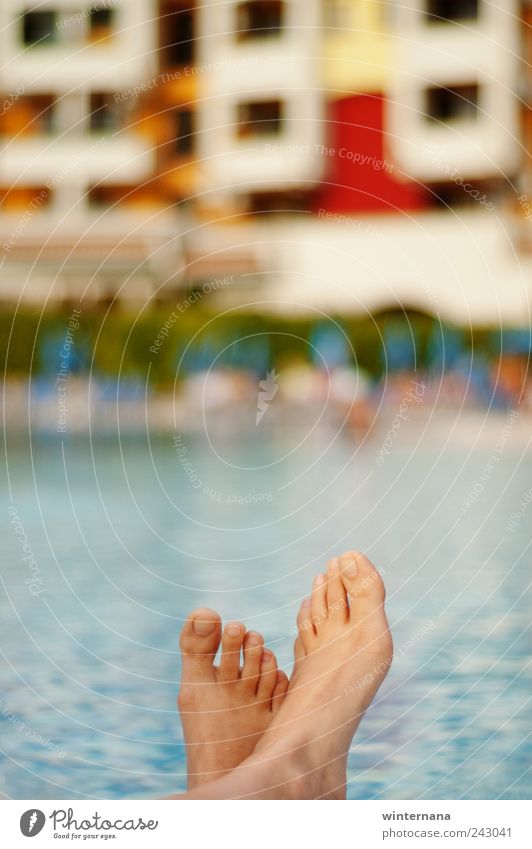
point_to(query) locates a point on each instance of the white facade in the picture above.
(283, 67)
(70, 62)
(461, 269)
(484, 52)
(71, 156)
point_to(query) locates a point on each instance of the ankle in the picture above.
(287, 767)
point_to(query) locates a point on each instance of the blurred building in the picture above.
(261, 115)
(455, 90)
(339, 155)
(69, 149)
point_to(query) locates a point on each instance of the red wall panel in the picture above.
(360, 174)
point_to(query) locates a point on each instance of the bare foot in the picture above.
(343, 652)
(225, 709)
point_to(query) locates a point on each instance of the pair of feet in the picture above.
(244, 714)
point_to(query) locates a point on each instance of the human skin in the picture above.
(342, 654)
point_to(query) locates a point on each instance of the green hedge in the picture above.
(120, 341)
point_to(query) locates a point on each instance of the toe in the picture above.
(319, 599)
(253, 647)
(336, 593)
(304, 624)
(232, 640)
(199, 643)
(362, 583)
(366, 606)
(279, 692)
(268, 677)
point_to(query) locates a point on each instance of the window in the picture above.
(38, 113)
(455, 103)
(262, 118)
(19, 199)
(259, 19)
(452, 195)
(176, 35)
(184, 132)
(100, 24)
(442, 11)
(29, 115)
(287, 201)
(111, 194)
(101, 19)
(105, 112)
(39, 28)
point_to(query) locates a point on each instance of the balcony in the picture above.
(39, 160)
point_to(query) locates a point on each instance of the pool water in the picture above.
(122, 539)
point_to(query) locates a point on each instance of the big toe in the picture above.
(361, 579)
(364, 587)
(200, 639)
(366, 593)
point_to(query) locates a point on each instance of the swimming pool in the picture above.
(121, 540)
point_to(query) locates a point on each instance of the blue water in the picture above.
(126, 542)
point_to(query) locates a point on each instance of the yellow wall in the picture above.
(357, 53)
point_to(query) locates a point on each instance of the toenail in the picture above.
(234, 629)
(306, 602)
(254, 639)
(202, 627)
(351, 569)
(266, 656)
(318, 580)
